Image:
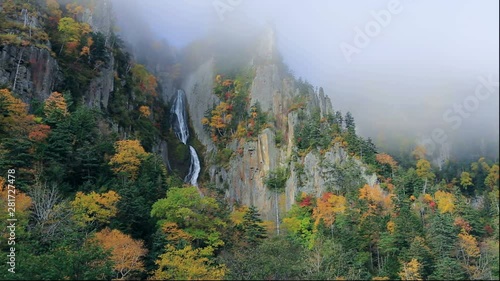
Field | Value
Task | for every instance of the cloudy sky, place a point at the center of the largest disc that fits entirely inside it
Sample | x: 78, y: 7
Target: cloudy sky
x: 398, y: 75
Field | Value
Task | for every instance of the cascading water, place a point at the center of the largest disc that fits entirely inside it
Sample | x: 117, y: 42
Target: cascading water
x: 179, y: 111
x: 194, y: 168
x: 182, y: 132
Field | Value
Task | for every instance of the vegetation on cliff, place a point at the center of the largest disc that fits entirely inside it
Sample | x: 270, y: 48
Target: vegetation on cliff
x: 94, y: 200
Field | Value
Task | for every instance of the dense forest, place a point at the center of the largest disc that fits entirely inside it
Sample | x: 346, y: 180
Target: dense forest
x: 86, y: 193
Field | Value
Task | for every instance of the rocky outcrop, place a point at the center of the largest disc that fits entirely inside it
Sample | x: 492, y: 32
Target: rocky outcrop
x: 100, y: 19
x: 265, y: 85
x: 243, y: 181
x: 101, y: 87
x: 31, y: 72
x: 198, y: 87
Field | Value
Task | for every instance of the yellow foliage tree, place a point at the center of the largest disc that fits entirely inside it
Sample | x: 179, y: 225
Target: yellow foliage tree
x: 493, y: 177
x: 468, y: 244
x: 424, y: 171
x: 188, y: 264
x: 94, y: 207
x: 445, y: 201
x: 465, y: 179
x: 391, y: 226
x: 55, y: 108
x: 128, y: 158
x: 411, y: 270
x: 238, y: 214
x: 126, y: 253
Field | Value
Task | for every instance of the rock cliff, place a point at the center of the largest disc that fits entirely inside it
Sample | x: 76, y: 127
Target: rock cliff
x: 243, y: 178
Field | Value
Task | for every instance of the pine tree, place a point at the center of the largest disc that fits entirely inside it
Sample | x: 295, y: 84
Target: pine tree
x: 252, y: 226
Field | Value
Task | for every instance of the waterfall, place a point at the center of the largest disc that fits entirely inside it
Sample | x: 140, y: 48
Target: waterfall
x: 179, y: 124
x: 194, y: 168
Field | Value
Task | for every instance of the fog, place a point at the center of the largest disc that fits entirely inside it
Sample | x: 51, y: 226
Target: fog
x: 409, y: 71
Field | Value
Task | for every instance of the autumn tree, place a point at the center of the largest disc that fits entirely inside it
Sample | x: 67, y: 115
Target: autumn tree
x: 327, y: 208
x: 469, y: 251
x: 384, y: 158
x: 146, y: 81
x: 445, y: 201
x: 94, y: 208
x: 465, y: 179
x: 493, y: 177
x: 71, y: 33
x: 128, y: 157
x: 54, y: 10
x: 39, y: 133
x: 411, y: 270
x: 188, y: 264
x: 218, y: 121
x: 74, y: 9
x: 424, y: 171
x: 126, y: 253
x: 144, y: 111
x: 14, y: 117
x: 55, y: 108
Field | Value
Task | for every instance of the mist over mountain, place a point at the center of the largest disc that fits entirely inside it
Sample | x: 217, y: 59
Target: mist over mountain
x: 249, y: 140
x: 417, y: 61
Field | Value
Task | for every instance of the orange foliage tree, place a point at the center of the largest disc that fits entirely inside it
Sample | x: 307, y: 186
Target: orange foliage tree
x: 327, y: 207
x: 384, y: 158
x: 376, y: 197
x: 126, y: 253
x: 144, y: 111
x: 14, y: 117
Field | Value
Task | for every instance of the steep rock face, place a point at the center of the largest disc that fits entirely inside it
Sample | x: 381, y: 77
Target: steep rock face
x: 243, y: 177
x: 265, y: 86
x: 244, y: 180
x: 198, y: 87
x: 100, y: 88
x: 30, y: 71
